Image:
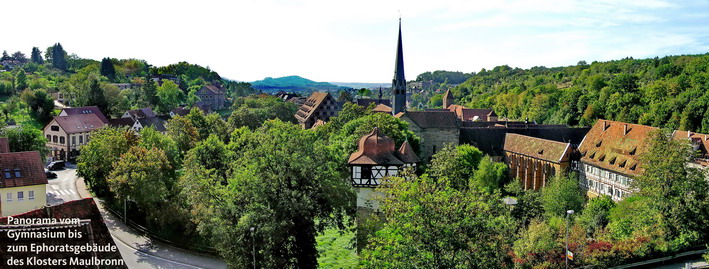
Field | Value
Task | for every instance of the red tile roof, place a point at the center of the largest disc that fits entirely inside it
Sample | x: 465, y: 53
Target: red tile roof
x: 406, y: 153
x: 29, y: 166
x: 616, y: 146
x: 79, y: 123
x: 4, y: 145
x: 311, y: 105
x: 375, y: 149
x: 548, y: 150
x: 700, y: 142
x: 70, y: 111
x: 382, y: 108
x: 471, y: 114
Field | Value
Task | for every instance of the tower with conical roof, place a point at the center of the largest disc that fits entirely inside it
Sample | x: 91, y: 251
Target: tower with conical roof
x: 398, y: 85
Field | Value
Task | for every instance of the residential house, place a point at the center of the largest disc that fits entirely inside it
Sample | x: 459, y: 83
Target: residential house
x: 319, y: 106
x: 23, y: 184
x: 534, y: 160
x: 468, y: 114
x: 70, y: 111
x: 610, y: 157
x: 67, y: 133
x: 159, y: 123
x: 137, y: 114
x: 212, y: 95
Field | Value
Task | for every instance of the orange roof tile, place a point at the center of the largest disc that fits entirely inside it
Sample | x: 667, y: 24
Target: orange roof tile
x: 548, y: 150
x: 700, y: 142
x: 616, y: 146
x: 406, y: 153
x: 28, y: 165
x: 375, y: 149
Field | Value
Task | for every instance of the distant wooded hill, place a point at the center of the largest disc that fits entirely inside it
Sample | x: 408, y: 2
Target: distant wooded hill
x: 294, y: 84
x: 670, y: 92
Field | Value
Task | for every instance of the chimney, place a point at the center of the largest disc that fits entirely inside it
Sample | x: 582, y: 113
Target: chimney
x: 625, y: 129
x: 605, y: 125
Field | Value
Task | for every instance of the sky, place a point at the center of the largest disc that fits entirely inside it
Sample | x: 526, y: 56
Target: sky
x: 355, y: 41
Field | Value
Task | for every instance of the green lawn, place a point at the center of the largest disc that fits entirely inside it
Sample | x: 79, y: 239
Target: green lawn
x: 337, y: 250
x: 23, y: 118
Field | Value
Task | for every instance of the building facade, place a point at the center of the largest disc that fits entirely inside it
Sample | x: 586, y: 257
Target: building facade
x: 23, y: 184
x: 534, y: 160
x: 610, y: 157
x: 435, y: 128
x: 67, y: 134
x: 212, y: 96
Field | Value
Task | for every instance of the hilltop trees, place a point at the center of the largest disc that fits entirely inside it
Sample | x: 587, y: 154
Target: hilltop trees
x: 58, y: 57
x: 107, y: 69
x: 36, y: 56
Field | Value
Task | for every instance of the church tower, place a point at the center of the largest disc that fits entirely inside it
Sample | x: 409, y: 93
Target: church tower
x: 398, y: 85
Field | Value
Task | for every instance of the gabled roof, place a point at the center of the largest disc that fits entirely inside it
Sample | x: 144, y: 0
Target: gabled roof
x: 29, y: 166
x: 382, y: 108
x: 406, y: 153
x: 431, y: 119
x: 91, y: 225
x: 311, y: 104
x: 542, y: 149
x: 375, y: 149
x: 141, y: 113
x: 181, y: 111
x: 79, y: 123
x: 121, y: 122
x: 471, y: 114
x: 616, y: 146
x: 4, y: 145
x: 158, y: 123
x: 211, y: 89
x: 70, y: 111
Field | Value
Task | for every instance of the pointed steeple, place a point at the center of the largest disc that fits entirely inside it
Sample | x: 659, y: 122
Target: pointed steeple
x: 398, y: 84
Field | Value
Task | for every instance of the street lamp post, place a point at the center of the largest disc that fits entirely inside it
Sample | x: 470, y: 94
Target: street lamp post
x: 566, y: 254
x: 253, y: 245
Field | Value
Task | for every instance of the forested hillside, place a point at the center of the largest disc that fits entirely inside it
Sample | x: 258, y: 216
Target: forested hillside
x: 666, y: 92
x: 293, y: 83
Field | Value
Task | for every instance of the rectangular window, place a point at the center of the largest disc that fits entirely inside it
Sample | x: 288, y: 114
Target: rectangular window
x: 61, y: 140
x: 17, y: 173
x: 81, y: 139
x: 30, y: 195
x: 9, y: 197
x: 20, y: 196
x: 73, y: 140
x: 8, y: 174
x: 55, y: 128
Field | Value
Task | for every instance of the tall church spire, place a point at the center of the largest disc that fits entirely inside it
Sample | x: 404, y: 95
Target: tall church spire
x: 398, y: 85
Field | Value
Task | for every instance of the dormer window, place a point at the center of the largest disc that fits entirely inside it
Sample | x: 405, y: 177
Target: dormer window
x: 622, y: 164
x: 17, y: 173
x: 8, y: 175
x: 632, y: 151
x: 592, y: 155
x: 598, y: 145
x: 540, y: 152
x: 603, y: 157
x: 633, y: 166
x: 612, y: 160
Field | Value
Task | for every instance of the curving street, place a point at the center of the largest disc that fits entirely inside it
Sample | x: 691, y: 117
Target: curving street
x: 138, y: 251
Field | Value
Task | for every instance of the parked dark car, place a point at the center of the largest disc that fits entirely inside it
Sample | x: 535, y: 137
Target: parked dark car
x: 55, y: 165
x: 50, y: 174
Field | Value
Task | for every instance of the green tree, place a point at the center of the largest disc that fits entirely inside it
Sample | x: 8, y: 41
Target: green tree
x: 596, y: 213
x: 107, y: 69
x: 97, y: 157
x: 95, y: 92
x: 168, y: 96
x: 143, y: 175
x: 26, y: 138
x: 677, y: 191
x: 150, y: 138
x: 58, y: 57
x: 181, y: 130
x: 456, y: 164
x: 490, y: 175
x: 432, y: 225
x: 20, y: 80
x: 562, y: 193
x: 36, y: 56
x: 284, y: 184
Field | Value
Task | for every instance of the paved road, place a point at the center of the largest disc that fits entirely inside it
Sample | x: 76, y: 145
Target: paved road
x: 63, y: 188
x: 137, y: 251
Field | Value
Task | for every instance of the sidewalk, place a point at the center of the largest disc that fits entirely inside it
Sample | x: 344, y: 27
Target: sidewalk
x: 145, y: 246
